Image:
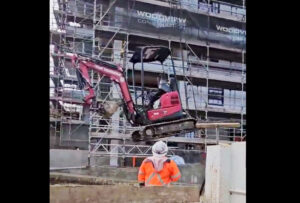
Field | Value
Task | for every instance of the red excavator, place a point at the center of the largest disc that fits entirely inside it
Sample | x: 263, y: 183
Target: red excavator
x: 166, y: 120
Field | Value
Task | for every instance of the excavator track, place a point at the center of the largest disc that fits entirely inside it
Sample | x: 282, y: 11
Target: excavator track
x: 165, y: 129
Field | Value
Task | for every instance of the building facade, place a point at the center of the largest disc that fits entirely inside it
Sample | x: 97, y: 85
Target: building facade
x: 207, y: 39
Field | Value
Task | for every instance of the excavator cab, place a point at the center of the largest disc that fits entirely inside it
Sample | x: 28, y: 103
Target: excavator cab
x: 170, y: 104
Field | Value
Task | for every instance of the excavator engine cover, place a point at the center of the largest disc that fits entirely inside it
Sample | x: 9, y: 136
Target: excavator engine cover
x: 170, y: 107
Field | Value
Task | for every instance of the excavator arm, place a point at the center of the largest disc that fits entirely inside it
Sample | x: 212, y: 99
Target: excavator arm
x: 114, y: 72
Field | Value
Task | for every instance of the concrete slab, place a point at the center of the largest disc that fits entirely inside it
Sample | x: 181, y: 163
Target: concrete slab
x: 67, y: 188
x: 121, y: 193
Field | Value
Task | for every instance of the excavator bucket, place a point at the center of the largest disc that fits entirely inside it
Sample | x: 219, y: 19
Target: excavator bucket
x: 110, y: 108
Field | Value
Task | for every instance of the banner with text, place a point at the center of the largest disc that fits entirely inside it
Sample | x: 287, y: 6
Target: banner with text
x: 160, y: 20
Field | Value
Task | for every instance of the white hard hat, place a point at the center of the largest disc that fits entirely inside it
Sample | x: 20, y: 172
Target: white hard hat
x: 159, y: 149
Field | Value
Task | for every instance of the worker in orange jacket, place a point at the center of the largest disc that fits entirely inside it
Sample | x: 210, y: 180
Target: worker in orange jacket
x: 158, y: 170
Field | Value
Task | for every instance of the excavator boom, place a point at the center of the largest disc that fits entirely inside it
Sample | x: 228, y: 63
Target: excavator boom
x: 115, y: 73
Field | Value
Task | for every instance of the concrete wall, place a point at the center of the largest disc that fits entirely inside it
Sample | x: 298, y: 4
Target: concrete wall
x: 192, y: 174
x: 61, y: 158
x: 68, y: 158
x: 225, y: 174
x: 75, y: 135
x: 121, y: 193
x: 238, y: 173
x: 53, y: 139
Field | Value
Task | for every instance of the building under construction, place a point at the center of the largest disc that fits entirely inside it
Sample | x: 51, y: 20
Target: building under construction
x: 207, y: 43
x: 207, y: 39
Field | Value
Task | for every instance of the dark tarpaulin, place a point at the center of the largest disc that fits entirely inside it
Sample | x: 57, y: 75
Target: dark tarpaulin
x: 150, y: 54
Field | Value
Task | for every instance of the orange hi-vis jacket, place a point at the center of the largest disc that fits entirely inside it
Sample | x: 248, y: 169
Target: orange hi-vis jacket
x: 148, y: 175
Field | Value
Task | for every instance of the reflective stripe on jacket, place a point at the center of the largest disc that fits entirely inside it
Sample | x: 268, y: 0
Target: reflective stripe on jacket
x: 148, y: 175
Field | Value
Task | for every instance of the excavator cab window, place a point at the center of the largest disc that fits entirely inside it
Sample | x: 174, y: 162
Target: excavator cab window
x: 156, y: 104
x: 172, y: 82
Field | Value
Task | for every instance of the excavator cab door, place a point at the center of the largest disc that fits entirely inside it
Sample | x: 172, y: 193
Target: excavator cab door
x: 147, y: 54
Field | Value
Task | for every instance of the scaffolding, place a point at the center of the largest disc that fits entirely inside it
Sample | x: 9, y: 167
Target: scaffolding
x: 84, y: 26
